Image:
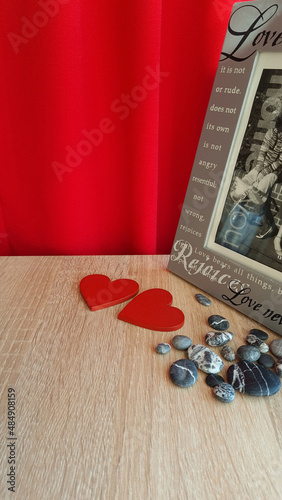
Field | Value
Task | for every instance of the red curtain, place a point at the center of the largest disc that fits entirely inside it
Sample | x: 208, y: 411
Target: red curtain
x: 102, y: 106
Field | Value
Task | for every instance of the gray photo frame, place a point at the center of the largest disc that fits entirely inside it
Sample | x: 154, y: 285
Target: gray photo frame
x: 229, y: 237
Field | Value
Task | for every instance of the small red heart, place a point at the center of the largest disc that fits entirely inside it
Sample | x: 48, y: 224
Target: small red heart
x: 99, y: 291
x: 152, y: 309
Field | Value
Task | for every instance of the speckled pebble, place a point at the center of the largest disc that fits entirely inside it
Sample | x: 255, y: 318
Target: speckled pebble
x: 256, y: 342
x: 248, y: 353
x: 213, y: 379
x: 279, y: 367
x: 218, y: 338
x: 224, y: 392
x: 181, y: 342
x: 261, y: 334
x: 266, y: 360
x: 217, y: 322
x: 163, y: 348
x: 253, y: 379
x: 205, y: 359
x: 228, y: 353
x: 183, y: 373
x: 276, y: 347
x: 203, y: 299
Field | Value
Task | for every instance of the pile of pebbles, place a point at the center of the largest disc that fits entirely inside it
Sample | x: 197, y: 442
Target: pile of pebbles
x: 257, y: 373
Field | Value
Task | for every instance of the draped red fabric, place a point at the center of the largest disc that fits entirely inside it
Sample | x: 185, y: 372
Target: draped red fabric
x: 102, y: 105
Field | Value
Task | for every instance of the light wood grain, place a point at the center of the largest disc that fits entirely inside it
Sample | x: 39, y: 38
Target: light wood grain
x: 97, y: 416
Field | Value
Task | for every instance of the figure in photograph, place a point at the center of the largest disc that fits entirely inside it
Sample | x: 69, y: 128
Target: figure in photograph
x: 251, y: 222
x: 257, y: 184
x: 278, y: 243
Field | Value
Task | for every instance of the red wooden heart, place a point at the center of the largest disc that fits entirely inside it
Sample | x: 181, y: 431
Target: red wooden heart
x: 99, y: 291
x: 152, y: 309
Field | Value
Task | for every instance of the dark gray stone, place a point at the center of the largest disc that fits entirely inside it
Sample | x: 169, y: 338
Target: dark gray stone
x: 203, y: 299
x: 261, y: 334
x: 205, y: 359
x: 183, y: 373
x: 217, y: 322
x: 266, y: 360
x: 253, y: 379
x: 228, y: 353
x: 181, y: 342
x: 224, y: 392
x: 276, y: 347
x: 216, y: 339
x: 248, y: 353
x: 256, y: 342
x: 163, y: 348
x: 214, y: 379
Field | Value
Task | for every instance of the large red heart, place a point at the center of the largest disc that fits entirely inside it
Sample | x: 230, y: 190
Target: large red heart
x: 99, y: 291
x: 152, y: 309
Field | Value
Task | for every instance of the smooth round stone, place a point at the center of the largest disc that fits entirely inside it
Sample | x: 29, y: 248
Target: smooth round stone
x: 253, y: 379
x: 205, y: 359
x: 217, y: 322
x: 224, y: 392
x: 163, y: 348
x: 183, y: 373
x: 261, y: 334
x: 256, y: 342
x: 203, y: 299
x: 228, y: 353
x: 248, y: 353
x: 218, y: 338
x: 266, y: 360
x: 181, y: 342
x: 276, y: 347
x: 214, y: 379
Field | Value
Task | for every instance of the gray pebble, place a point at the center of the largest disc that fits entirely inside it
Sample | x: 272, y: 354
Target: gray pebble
x: 181, y: 342
x: 205, y: 359
x: 203, y: 299
x: 261, y: 334
x: 218, y: 338
x: 213, y: 379
x: 256, y: 342
x: 163, y: 348
x: 228, y: 353
x: 248, y: 353
x: 266, y: 360
x: 183, y: 373
x: 224, y: 392
x: 217, y: 322
x: 279, y: 367
x: 276, y: 347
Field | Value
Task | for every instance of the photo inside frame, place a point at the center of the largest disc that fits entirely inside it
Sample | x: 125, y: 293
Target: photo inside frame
x: 246, y: 225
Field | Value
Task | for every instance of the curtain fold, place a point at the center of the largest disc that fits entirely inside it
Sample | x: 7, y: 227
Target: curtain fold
x: 102, y: 106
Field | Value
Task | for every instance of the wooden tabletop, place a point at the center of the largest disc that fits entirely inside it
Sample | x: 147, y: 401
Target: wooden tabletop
x: 96, y: 415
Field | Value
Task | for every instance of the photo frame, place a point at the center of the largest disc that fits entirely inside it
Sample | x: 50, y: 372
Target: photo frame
x: 229, y: 237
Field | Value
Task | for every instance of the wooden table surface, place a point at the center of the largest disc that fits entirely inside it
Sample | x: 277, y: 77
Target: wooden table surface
x: 97, y: 416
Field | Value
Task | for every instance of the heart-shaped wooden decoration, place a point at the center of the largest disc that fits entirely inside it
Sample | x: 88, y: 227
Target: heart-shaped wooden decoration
x: 99, y: 291
x: 152, y: 309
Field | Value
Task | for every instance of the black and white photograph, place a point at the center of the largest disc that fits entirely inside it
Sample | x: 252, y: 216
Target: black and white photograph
x: 251, y: 219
